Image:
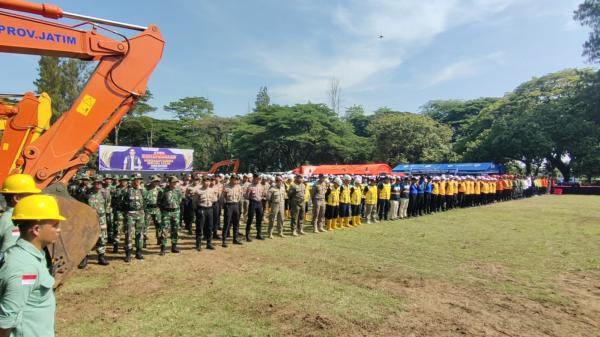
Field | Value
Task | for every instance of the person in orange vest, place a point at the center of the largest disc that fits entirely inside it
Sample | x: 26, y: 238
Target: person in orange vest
x: 435, y: 193
x: 462, y: 189
x: 442, y: 193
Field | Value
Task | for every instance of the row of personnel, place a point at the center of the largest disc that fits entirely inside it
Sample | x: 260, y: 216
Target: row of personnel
x: 127, y: 206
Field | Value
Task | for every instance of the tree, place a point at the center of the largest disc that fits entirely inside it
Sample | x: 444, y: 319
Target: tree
x: 190, y: 108
x: 355, y: 115
x: 280, y: 138
x: 588, y: 14
x: 262, y: 99
x: 62, y: 79
x: 403, y: 137
x: 334, y: 93
x: 141, y: 108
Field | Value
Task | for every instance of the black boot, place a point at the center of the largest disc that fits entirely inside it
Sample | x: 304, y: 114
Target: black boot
x: 138, y: 254
x: 174, y: 249
x: 210, y: 246
x: 127, y: 255
x: 83, y: 263
x: 248, y: 238
x: 102, y: 260
x: 237, y: 242
x: 144, y: 245
x: 162, y: 250
x: 115, y: 248
x: 198, y: 246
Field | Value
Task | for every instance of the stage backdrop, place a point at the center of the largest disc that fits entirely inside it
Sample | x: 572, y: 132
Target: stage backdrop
x: 148, y: 159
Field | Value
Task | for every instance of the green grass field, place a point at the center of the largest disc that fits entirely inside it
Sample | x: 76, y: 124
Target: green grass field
x: 521, y: 268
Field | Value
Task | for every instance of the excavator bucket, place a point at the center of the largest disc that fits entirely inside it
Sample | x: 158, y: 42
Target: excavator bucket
x: 78, y: 234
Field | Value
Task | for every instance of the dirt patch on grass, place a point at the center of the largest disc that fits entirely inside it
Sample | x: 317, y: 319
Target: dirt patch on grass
x: 443, y: 309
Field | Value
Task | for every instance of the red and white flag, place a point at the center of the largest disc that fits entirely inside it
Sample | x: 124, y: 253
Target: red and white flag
x: 27, y: 280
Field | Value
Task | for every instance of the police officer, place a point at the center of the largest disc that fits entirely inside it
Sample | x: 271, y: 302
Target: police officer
x: 135, y: 218
x: 203, y: 203
x: 169, y: 202
x: 276, y: 198
x: 232, y: 196
x: 96, y: 200
x: 152, y: 211
x: 317, y: 194
x: 254, y: 194
x: 27, y: 304
x: 15, y: 188
x: 296, y: 194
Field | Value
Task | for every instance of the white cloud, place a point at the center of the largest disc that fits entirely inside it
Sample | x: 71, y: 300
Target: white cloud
x: 355, y: 55
x: 464, y: 68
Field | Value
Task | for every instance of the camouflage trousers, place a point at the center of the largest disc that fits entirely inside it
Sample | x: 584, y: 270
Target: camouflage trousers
x: 170, y: 221
x: 135, y: 221
x: 110, y: 222
x: 101, y: 243
x: 118, y: 225
x: 152, y: 217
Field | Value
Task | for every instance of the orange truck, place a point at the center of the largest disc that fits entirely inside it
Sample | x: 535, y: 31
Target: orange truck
x: 52, y: 153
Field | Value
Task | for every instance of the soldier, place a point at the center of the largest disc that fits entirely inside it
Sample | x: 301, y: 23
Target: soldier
x: 96, y: 200
x: 73, y: 184
x: 255, y: 193
x: 108, y: 189
x: 82, y: 189
x: 232, y: 195
x: 120, y: 210
x: 15, y: 188
x: 296, y: 195
x: 276, y: 198
x: 134, y: 201
x: 152, y: 210
x: 27, y: 302
x: 169, y: 202
x: 317, y: 193
x: 203, y: 203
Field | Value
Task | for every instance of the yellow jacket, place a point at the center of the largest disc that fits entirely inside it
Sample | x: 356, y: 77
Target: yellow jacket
x: 371, y: 195
x: 333, y: 196
x: 345, y: 194
x: 386, y: 192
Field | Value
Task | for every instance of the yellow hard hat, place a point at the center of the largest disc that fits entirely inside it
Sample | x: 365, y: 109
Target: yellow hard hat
x: 37, y: 207
x: 19, y: 183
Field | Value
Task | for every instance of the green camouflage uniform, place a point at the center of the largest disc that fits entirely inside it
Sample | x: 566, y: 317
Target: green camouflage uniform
x: 119, y: 209
x: 152, y: 210
x: 110, y: 220
x: 134, y: 201
x: 169, y: 202
x: 96, y: 200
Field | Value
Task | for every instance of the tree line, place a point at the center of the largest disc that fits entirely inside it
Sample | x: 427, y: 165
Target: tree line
x: 550, y: 123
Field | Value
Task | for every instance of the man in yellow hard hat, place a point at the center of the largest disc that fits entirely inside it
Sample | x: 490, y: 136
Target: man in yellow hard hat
x: 27, y: 305
x: 15, y: 188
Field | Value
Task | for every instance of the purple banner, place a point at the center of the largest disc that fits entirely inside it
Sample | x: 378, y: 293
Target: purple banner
x: 127, y: 158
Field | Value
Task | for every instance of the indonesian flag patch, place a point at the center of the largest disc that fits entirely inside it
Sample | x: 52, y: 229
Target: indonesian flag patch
x: 15, y: 232
x: 27, y: 280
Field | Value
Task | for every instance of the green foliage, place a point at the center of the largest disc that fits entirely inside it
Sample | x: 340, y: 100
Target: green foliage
x: 588, y: 14
x: 355, y: 115
x: 262, y: 99
x: 142, y: 106
x: 283, y: 137
x: 403, y: 137
x: 62, y: 79
x: 190, y: 108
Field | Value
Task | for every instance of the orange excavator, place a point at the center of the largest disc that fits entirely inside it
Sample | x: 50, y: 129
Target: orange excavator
x: 52, y: 154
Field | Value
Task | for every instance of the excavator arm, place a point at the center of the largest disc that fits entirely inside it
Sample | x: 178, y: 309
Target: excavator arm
x: 53, y: 153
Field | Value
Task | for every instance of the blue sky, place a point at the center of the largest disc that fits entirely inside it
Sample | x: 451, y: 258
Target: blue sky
x: 431, y: 49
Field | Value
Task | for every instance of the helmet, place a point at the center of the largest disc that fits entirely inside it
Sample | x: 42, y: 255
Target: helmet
x: 19, y: 183
x: 37, y: 207
x: 137, y: 176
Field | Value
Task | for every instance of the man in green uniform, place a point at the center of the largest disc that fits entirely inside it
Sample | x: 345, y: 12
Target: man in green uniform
x: 134, y: 200
x: 96, y: 200
x: 152, y: 210
x: 108, y: 194
x: 169, y: 202
x: 27, y: 304
x: 15, y: 188
x: 119, y: 208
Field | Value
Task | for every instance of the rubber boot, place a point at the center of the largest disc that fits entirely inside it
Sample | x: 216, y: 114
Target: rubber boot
x: 328, y: 224
x: 102, y: 260
x: 83, y: 263
x: 162, y: 250
x: 346, y: 222
x: 138, y: 254
x: 127, y: 255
